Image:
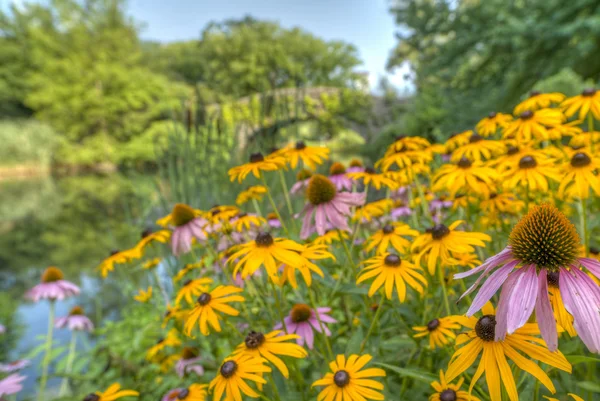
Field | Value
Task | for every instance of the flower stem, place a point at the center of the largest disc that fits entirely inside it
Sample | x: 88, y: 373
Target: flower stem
x: 347, y: 251
x: 64, y: 386
x: 444, y: 290
x: 278, y: 306
x: 286, y: 194
x: 257, y: 207
x: 321, y: 325
x: 274, y: 387
x: 46, y: 361
x: 273, y: 205
x: 373, y: 323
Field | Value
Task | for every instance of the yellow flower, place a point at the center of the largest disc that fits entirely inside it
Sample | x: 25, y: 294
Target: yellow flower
x: 465, y: 176
x: 445, y: 391
x: 481, y: 340
x: 580, y: 175
x: 390, y: 270
x: 439, y: 243
x: 391, y: 234
x: 161, y: 236
x: 151, y: 264
x: 478, y: 149
x: 166, y: 362
x: 588, y: 101
x: 403, y: 157
x: 534, y: 124
x: 440, y: 331
x: 532, y: 171
x: 329, y: 237
x: 112, y: 393
x: 222, y: 214
x: 267, y: 251
x: 171, y: 340
x: 370, y: 177
x: 118, y: 257
x: 269, y: 346
x: 372, y: 210
x: 564, y: 319
x: 204, y: 310
x: 310, y: 155
x: 192, y: 289
x: 403, y: 143
x: 244, y: 222
x: 349, y: 381
x: 537, y: 100
x: 179, y: 213
x: 233, y: 373
x: 144, y: 296
x: 174, y: 313
x: 465, y: 260
x: 195, y: 392
x: 490, y: 124
x: 573, y: 396
x: 186, y: 269
x: 457, y: 140
x: 310, y: 252
x: 255, y: 192
x: 258, y: 163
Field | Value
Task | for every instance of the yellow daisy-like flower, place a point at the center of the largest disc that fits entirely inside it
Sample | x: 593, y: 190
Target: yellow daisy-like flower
x: 203, y: 312
x: 311, y: 252
x: 564, y: 319
x: 148, y: 237
x: 113, y: 392
x: 469, y: 260
x: 502, y: 203
x: 587, y: 102
x: 192, y: 289
x: 174, y: 313
x: 268, y: 251
x: 151, y: 264
x: 532, y: 171
x: 439, y: 243
x: 330, y: 237
x: 407, y: 143
x: 144, y: 296
x: 403, y: 158
x: 481, y: 340
x: 117, y: 258
x: 568, y: 129
x: 390, y: 270
x: 537, y: 100
x: 221, y: 214
x: 391, y: 234
x: 270, y: 346
x: 514, y: 153
x: 176, y: 214
x: 234, y: 372
x: 186, y: 269
x: 534, y: 125
x: 245, y: 222
x: 311, y: 156
x: 457, y: 140
x: 492, y: 123
x: 580, y: 175
x: 195, y: 392
x: 171, y: 340
x: 573, y: 396
x: 371, y: 177
x: 348, y: 381
x: 372, y: 210
x: 444, y: 391
x: 258, y: 163
x: 585, y: 139
x: 440, y: 331
x: 478, y: 149
x: 166, y: 362
x: 465, y: 176
x: 255, y: 192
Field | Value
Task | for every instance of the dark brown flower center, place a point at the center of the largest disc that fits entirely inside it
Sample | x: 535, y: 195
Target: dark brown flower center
x: 263, y: 240
x: 580, y: 159
x: 392, y: 260
x: 76, y: 311
x: 534, y: 93
x: 439, y: 231
x: 486, y: 328
x: 588, y: 92
x: 464, y: 163
x: 512, y: 150
x: 341, y: 378
x: 228, y: 369
x: 300, y: 313
x: 475, y: 138
x: 448, y: 395
x: 182, y: 214
x: 190, y: 353
x: 594, y: 250
x: 304, y: 174
x: 434, y: 324
x: 493, y: 196
x: 388, y: 229
x: 183, y: 394
x: 204, y: 298
x: 91, y: 397
x: 526, y: 115
x: 52, y: 274
x: 553, y: 278
x: 356, y: 163
x: 527, y: 162
x: 254, y: 339
x: 188, y: 282
x: 337, y: 168
x: 256, y: 158
x: 492, y: 115
x: 320, y: 190
x: 146, y: 232
x: 370, y: 170
x: 300, y: 145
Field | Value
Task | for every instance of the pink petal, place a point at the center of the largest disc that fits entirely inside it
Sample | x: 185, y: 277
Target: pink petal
x: 543, y: 311
x: 491, y: 285
x: 523, y: 298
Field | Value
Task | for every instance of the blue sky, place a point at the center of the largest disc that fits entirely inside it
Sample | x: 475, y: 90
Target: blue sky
x: 365, y: 23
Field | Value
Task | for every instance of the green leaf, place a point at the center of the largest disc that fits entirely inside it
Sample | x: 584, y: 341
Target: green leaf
x: 590, y: 386
x: 34, y: 352
x: 577, y: 359
x: 416, y: 374
x: 353, y: 346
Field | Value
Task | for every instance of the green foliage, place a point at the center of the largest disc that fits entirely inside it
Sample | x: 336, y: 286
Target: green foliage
x: 565, y: 81
x: 27, y: 142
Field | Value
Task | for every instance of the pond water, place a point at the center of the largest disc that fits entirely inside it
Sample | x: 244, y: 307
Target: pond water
x: 72, y: 223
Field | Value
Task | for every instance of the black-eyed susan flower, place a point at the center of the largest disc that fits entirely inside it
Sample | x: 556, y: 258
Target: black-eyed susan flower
x: 370, y: 211
x: 192, y: 289
x: 270, y: 346
x: 538, y: 100
x: 534, y: 124
x: 404, y: 142
x: 117, y: 258
x: 144, y: 296
x: 391, y: 234
x: 481, y: 340
x: 207, y: 303
x: 440, y: 331
x: 151, y: 263
x: 233, y: 375
x: 492, y: 123
x: 148, y: 237
x: 587, y: 102
x: 331, y: 236
x: 456, y: 140
x: 195, y: 392
x: 465, y: 176
x: 311, y: 156
x: 310, y: 252
x: 445, y: 391
x: 348, y: 381
x: 188, y: 267
x: 370, y: 177
x: 269, y: 252
x: 478, y: 149
x: 502, y: 203
x: 113, y: 392
x: 257, y: 164
x: 175, y: 313
x: 171, y: 340
x: 403, y: 157
x: 391, y: 271
x: 255, y: 192
x: 469, y: 260
x: 247, y: 221
x: 440, y: 242
x: 532, y: 171
x: 580, y: 174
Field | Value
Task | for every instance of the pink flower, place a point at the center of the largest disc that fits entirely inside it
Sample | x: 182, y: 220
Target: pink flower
x: 302, y: 178
x: 227, y: 241
x: 76, y: 320
x: 189, y: 362
x: 542, y: 252
x: 328, y: 205
x: 2, y: 329
x: 52, y: 287
x: 341, y: 182
x: 302, y: 320
x: 273, y: 220
x: 11, y: 384
x: 187, y: 225
x: 14, y: 366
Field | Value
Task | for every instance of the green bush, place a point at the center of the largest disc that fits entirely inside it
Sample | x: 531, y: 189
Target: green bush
x: 27, y: 142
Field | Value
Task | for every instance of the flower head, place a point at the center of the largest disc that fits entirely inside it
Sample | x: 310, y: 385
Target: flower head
x: 338, y: 176
x: 587, y: 102
x: 144, y: 296
x: 370, y: 177
x: 310, y: 155
x: 53, y: 286
x: 233, y: 374
x: 195, y: 392
x: 465, y: 176
x: 207, y: 303
x: 14, y: 366
x: 309, y: 253
x: 76, y: 320
x: 149, y: 237
x: 192, y: 289
x: 118, y: 257
x: 255, y: 192
x: 171, y: 340
x: 538, y: 100
x: 531, y: 124
x: 391, y: 234
x: 489, y: 125
x: 303, y: 321
x: 477, y: 149
x: 257, y: 164
x: 189, y: 362
x: 444, y: 391
x: 580, y: 175
x: 187, y: 225
x: 112, y: 393
x: 531, y: 171
x: 11, y: 384
x: 439, y: 330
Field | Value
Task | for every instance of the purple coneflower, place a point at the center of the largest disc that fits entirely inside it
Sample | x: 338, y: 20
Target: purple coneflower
x: 328, y: 205
x: 230, y: 238
x: 11, y: 385
x: 302, y: 320
x: 542, y: 249
x: 14, y: 366
x: 187, y: 225
x: 302, y: 179
x: 75, y: 321
x: 189, y: 362
x: 337, y: 175
x: 437, y: 205
x: 400, y: 210
x: 52, y: 286
x: 273, y: 220
x: 172, y: 395
x: 355, y: 166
